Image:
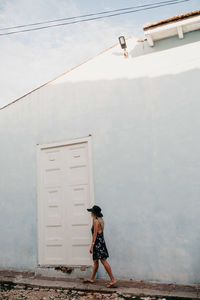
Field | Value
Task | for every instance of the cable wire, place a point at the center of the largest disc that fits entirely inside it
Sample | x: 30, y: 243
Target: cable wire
x: 95, y: 18
x: 88, y: 15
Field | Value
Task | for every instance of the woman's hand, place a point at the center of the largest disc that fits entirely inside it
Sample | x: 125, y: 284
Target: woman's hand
x: 91, y: 249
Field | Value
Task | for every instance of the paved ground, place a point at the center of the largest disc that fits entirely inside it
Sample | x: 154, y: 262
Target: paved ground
x: 36, y: 293
x: 16, y: 285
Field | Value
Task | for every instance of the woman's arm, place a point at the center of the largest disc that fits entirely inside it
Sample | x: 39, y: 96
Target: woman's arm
x: 94, y: 235
x: 95, y: 231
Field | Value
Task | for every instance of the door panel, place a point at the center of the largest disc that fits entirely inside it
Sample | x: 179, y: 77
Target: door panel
x: 64, y: 196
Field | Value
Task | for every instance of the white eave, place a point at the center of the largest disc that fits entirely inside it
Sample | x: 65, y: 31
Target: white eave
x: 172, y: 29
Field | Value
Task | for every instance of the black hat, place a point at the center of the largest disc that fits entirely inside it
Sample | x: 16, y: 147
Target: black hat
x: 96, y: 210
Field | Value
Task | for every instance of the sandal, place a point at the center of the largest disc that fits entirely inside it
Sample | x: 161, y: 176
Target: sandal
x: 88, y: 281
x: 111, y: 284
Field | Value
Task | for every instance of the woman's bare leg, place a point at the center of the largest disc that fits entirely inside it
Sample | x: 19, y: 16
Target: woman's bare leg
x: 108, y: 270
x: 95, y: 268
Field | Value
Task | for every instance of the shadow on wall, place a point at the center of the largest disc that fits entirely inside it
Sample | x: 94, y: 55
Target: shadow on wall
x: 146, y: 169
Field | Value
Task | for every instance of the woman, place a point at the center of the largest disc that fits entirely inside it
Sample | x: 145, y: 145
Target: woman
x: 98, y: 247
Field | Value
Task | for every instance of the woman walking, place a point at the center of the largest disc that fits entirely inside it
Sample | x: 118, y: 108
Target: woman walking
x: 98, y: 248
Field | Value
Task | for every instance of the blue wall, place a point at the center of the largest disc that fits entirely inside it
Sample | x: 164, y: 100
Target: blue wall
x: 146, y: 170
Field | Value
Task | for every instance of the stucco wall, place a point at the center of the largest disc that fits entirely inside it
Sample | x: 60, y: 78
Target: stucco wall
x: 145, y: 137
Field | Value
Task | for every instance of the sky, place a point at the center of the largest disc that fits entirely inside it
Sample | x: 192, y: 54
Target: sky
x: 29, y: 59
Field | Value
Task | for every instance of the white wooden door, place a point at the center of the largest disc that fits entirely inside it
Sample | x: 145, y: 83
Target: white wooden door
x: 65, y: 191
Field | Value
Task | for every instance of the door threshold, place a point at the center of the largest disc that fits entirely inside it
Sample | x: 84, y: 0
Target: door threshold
x: 64, y: 266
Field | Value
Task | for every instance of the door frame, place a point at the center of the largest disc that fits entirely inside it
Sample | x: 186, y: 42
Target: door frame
x: 39, y: 147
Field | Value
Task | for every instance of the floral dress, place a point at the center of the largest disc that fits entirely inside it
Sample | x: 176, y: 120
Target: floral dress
x: 99, y: 250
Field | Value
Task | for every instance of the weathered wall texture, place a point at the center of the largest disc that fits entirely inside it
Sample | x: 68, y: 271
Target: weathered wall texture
x: 145, y: 125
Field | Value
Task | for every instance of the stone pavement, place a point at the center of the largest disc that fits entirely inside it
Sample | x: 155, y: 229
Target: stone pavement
x: 20, y: 292
x: 18, y: 285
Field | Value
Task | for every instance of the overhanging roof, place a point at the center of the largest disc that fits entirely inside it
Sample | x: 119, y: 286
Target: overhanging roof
x: 177, y: 25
